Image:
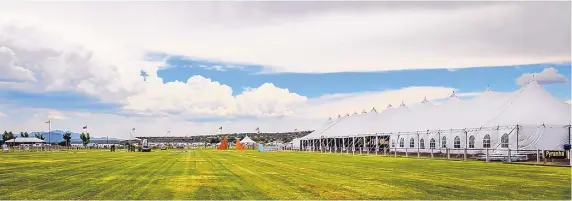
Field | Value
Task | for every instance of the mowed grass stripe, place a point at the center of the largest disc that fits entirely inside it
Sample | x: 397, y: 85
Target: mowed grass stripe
x: 302, y: 180
x: 211, y: 174
x: 441, y: 181
x: 55, y: 176
x: 335, y: 185
x: 232, y: 184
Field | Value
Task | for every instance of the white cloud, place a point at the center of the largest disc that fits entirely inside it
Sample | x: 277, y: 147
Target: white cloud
x: 10, y: 70
x: 57, y: 115
x: 116, y: 79
x: 547, y: 76
x: 197, y: 96
x: 77, y: 47
x: 268, y: 100
x: 316, y: 37
x: 309, y: 113
x: 339, y: 104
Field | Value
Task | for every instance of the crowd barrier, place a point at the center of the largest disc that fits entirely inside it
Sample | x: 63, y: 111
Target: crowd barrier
x: 537, y: 157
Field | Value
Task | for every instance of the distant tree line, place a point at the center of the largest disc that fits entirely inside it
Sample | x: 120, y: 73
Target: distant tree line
x: 6, y: 136
x: 231, y: 137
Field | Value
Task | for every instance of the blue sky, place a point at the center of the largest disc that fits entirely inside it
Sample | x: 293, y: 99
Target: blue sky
x: 314, y: 85
x: 311, y: 85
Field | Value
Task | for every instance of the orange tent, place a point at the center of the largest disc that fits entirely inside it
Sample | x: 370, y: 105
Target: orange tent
x: 223, y: 144
x: 239, y: 146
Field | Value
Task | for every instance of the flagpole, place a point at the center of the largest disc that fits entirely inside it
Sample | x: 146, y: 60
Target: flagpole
x: 49, y: 131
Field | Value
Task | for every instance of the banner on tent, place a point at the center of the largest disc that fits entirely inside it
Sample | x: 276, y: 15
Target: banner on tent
x: 555, y: 154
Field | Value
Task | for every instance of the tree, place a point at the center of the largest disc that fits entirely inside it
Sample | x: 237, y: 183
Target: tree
x: 24, y: 134
x: 39, y: 136
x: 7, y: 136
x: 67, y: 138
x: 84, y: 138
x: 214, y: 140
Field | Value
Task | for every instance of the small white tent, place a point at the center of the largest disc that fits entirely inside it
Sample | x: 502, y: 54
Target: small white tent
x: 247, y: 140
x: 26, y: 140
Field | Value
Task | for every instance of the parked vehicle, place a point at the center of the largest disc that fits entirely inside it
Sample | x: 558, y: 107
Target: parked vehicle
x: 145, y: 147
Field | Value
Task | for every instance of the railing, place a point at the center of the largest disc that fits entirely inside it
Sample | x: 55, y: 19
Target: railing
x: 36, y: 148
x: 54, y: 148
x: 463, y: 154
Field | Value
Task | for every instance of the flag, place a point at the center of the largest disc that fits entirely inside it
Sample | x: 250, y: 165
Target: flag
x: 48, y: 121
x: 85, y: 127
x: 258, y: 130
x: 296, y: 130
x: 133, y: 129
x: 220, y: 128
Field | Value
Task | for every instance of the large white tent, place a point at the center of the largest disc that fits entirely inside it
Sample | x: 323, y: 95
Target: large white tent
x: 528, y: 118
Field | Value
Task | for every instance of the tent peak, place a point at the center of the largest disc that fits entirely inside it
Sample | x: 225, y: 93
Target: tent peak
x: 373, y: 110
x: 453, y: 95
x: 355, y: 113
x: 425, y: 100
x: 488, y: 88
x: 389, y: 106
x: 364, y: 112
x: 402, y: 104
x: 347, y: 115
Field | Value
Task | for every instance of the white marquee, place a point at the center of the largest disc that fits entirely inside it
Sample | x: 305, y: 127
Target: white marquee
x: 543, y: 121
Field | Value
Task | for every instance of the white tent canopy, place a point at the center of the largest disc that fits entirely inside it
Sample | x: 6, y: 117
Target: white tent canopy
x: 295, y: 143
x: 530, y: 106
x: 247, y: 140
x: 26, y: 140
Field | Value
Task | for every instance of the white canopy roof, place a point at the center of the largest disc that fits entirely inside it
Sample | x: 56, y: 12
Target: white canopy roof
x: 26, y: 140
x: 324, y: 126
x: 530, y: 105
x: 247, y: 140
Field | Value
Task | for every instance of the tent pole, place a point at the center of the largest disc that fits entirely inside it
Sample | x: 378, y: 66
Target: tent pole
x: 360, y: 151
x: 344, y: 145
x: 376, y: 144
x: 569, y: 152
x: 418, y: 143
x: 335, y: 145
x: 517, y: 131
x: 330, y: 147
x: 439, y: 141
x: 353, y: 145
x: 313, y: 145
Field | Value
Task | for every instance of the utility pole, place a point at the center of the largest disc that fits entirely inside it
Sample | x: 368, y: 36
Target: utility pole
x: 49, y: 130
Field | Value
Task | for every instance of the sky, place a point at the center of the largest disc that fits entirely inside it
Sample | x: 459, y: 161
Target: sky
x: 193, y: 67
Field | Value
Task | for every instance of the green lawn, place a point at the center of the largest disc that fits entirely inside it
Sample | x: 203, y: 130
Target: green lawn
x: 221, y: 175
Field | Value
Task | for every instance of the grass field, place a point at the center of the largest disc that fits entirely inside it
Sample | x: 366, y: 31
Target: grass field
x: 210, y: 174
